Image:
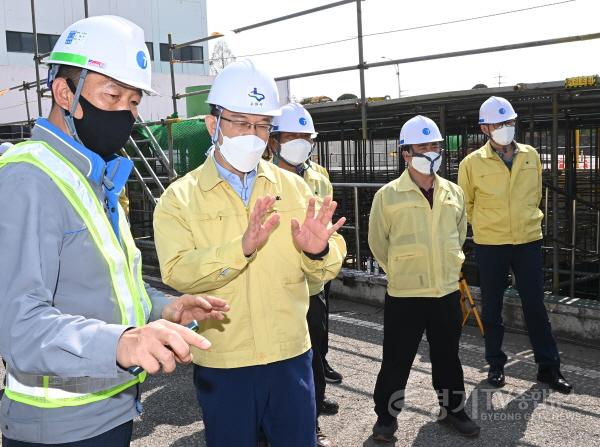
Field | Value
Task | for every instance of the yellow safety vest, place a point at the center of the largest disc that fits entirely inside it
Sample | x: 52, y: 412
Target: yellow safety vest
x: 125, y: 273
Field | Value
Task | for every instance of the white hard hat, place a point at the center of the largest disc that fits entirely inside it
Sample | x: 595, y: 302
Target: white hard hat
x: 5, y: 146
x: 419, y: 130
x: 294, y: 118
x: 242, y: 87
x: 496, y: 110
x: 109, y: 45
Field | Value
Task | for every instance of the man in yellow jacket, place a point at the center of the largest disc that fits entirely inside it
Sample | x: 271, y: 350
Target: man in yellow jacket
x: 291, y: 144
x: 502, y: 182
x: 233, y: 226
x: 417, y: 227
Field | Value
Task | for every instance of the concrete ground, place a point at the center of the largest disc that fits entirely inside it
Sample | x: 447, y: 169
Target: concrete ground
x: 522, y: 413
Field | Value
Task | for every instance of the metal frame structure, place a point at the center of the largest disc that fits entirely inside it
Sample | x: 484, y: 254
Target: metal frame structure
x: 357, y: 126
x: 552, y: 118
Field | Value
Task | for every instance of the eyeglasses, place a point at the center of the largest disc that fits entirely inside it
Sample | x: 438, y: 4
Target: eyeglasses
x: 245, y: 126
x: 510, y: 123
x: 435, y: 146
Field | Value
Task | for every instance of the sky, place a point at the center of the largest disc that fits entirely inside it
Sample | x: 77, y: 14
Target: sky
x: 550, y: 63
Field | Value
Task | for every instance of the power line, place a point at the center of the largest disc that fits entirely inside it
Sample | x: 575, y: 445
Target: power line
x: 413, y: 28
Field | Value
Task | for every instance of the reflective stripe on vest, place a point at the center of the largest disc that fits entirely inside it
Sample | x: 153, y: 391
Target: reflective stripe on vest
x: 125, y: 273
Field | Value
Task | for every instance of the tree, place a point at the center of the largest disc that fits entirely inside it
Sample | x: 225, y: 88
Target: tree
x: 221, y: 57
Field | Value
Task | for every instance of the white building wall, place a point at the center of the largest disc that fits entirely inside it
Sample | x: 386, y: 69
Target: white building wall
x: 185, y: 19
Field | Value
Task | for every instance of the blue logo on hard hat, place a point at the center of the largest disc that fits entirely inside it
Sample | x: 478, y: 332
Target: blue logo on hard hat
x: 481, y: 120
x: 302, y: 121
x: 256, y: 95
x: 141, y: 59
x: 426, y: 131
x: 502, y: 111
x: 70, y: 37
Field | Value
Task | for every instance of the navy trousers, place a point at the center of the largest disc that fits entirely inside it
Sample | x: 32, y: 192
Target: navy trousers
x: 117, y: 437
x: 278, y: 398
x: 526, y: 261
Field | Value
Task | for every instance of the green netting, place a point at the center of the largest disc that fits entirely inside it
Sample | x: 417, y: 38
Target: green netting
x: 190, y: 143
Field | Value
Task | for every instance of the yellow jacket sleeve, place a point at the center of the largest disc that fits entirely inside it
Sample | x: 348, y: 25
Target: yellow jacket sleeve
x: 328, y: 267
x: 379, y: 230
x: 462, y: 221
x: 188, y: 269
x: 464, y: 181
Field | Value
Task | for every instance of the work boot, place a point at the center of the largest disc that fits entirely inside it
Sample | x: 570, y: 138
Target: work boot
x: 331, y: 376
x: 323, y: 440
x: 383, y: 432
x: 459, y: 421
x: 496, y: 377
x: 329, y: 407
x: 553, y: 377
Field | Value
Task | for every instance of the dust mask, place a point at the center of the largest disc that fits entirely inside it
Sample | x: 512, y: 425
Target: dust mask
x: 242, y: 152
x: 504, y: 136
x: 428, y: 163
x: 296, y: 151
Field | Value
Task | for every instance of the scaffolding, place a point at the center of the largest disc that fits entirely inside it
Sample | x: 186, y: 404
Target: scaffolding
x: 358, y: 143
x: 562, y: 122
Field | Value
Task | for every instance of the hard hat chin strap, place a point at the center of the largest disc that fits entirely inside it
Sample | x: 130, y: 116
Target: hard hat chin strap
x: 68, y: 115
x: 215, y: 137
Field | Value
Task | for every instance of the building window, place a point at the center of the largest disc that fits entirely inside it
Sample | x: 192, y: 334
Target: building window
x: 192, y: 54
x: 150, y: 46
x: 21, y: 42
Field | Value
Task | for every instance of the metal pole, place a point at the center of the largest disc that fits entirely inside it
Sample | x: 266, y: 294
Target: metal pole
x: 554, y: 162
x: 361, y: 65
x: 291, y: 16
x: 170, y: 144
x: 517, y: 46
x: 357, y: 228
x: 442, y: 121
x: 597, y: 231
x: 85, y: 9
x: 202, y: 39
x: 172, y: 70
x: 546, y: 211
x: 398, y: 76
x: 573, y: 235
x: 36, y: 59
x: 26, y: 101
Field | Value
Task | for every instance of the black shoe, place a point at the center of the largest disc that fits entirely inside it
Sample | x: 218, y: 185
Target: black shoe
x: 555, y: 379
x: 384, y: 432
x: 323, y: 440
x: 329, y: 407
x: 460, y: 422
x: 331, y: 376
x: 496, y: 377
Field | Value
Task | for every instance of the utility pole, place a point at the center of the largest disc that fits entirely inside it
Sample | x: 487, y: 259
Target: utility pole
x: 397, y: 75
x: 499, y: 78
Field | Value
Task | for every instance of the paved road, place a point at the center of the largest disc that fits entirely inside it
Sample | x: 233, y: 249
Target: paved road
x: 523, y: 413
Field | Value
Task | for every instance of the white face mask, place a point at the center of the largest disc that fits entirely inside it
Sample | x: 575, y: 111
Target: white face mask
x: 242, y: 152
x: 504, y: 136
x: 428, y: 163
x: 296, y: 151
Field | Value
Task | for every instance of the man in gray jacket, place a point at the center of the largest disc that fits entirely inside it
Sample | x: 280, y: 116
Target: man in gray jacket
x: 74, y: 306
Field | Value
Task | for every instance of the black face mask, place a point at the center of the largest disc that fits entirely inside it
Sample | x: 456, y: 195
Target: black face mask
x: 102, y: 131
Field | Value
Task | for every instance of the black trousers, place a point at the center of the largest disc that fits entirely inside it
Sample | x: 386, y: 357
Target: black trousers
x: 405, y: 320
x: 117, y: 437
x: 325, y: 344
x: 526, y: 261
x: 317, y: 328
